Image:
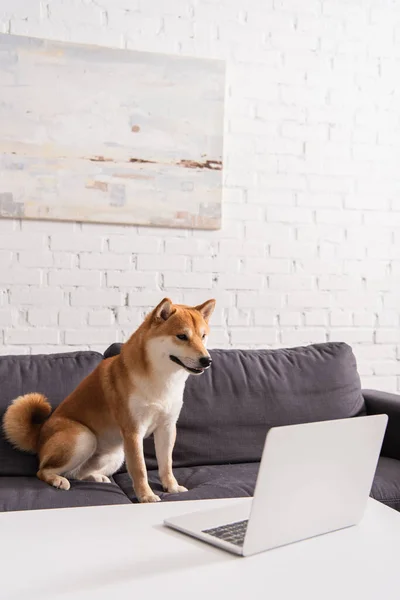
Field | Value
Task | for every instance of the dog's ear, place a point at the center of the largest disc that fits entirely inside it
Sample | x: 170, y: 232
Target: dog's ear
x: 206, y: 309
x: 163, y: 311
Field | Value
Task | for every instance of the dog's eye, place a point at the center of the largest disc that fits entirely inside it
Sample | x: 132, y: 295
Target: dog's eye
x: 182, y: 336
x: 203, y: 337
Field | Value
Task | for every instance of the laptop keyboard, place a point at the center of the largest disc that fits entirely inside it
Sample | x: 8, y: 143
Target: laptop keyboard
x: 232, y: 532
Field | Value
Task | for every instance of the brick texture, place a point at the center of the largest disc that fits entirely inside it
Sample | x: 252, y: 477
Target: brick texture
x: 309, y: 248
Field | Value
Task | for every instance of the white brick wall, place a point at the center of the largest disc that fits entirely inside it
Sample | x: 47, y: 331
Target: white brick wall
x: 310, y: 244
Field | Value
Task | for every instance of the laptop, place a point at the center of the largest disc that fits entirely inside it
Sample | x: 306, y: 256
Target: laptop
x: 314, y: 478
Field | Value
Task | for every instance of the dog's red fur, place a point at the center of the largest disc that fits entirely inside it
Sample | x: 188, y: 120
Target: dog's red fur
x: 124, y: 399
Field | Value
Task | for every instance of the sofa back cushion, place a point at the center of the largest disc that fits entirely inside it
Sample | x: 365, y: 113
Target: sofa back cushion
x: 55, y: 376
x: 228, y: 410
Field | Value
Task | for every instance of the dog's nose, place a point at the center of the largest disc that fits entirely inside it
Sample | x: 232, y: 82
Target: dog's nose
x: 205, y: 361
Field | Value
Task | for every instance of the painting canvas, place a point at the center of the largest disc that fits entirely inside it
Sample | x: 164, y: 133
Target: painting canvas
x: 111, y: 136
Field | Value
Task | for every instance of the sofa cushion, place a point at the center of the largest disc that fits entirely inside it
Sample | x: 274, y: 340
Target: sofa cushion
x: 210, y: 481
x: 235, y: 481
x: 54, y: 375
x: 386, y: 486
x: 27, y: 493
x: 228, y: 410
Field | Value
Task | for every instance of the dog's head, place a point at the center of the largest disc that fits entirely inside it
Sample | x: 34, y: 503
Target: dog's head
x: 178, y: 336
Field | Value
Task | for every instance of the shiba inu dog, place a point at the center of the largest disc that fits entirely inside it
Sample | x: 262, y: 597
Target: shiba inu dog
x: 125, y: 399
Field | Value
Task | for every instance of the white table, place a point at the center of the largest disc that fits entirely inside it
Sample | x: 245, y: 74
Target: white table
x: 107, y: 553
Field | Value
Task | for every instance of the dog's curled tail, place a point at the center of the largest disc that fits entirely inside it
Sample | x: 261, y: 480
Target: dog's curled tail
x: 23, y: 420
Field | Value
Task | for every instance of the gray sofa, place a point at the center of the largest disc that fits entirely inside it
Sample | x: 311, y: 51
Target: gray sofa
x: 221, y: 430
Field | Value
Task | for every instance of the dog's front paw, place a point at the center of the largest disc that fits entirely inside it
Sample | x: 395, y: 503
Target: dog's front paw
x: 180, y: 488
x: 149, y: 498
x: 175, y: 488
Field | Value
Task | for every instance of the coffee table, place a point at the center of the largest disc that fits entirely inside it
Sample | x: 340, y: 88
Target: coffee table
x: 111, y: 552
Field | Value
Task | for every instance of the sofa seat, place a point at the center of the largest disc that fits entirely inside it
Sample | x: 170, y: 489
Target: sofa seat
x: 211, y: 481
x: 239, y: 480
x: 27, y: 493
x: 386, y: 486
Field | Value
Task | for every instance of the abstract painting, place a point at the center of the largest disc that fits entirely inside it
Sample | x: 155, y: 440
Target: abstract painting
x: 109, y: 136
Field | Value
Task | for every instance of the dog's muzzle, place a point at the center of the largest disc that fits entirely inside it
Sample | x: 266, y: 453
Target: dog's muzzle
x: 205, y: 362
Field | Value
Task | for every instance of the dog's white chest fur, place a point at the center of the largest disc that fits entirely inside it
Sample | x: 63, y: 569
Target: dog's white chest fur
x: 155, y: 402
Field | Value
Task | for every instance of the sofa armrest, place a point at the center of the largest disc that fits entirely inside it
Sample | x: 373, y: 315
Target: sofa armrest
x: 384, y: 402
x: 113, y: 350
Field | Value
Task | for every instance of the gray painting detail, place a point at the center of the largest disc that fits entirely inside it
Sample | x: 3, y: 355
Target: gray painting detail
x: 101, y: 135
x: 117, y: 195
x: 9, y: 208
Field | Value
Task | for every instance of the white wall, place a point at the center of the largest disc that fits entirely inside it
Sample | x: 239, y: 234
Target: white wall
x: 310, y: 245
